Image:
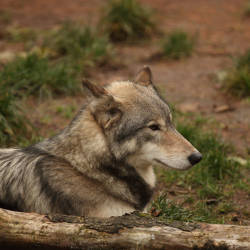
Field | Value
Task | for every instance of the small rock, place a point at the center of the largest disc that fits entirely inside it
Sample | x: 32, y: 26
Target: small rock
x: 7, y: 56
x: 188, y: 107
x: 223, y: 108
x: 221, y: 75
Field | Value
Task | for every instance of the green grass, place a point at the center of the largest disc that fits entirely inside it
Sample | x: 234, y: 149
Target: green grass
x: 15, y: 127
x: 54, y: 68
x: 80, y: 45
x: 215, y: 165
x: 5, y: 16
x: 13, y: 122
x: 246, y: 11
x: 177, y: 44
x: 51, y: 70
x: 127, y: 20
x: 17, y: 34
x: 237, y: 80
x: 172, y: 211
x: 67, y: 111
x: 35, y: 75
x: 208, y: 186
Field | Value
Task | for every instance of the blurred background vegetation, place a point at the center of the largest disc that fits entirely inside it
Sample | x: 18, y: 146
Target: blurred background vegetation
x: 200, y: 56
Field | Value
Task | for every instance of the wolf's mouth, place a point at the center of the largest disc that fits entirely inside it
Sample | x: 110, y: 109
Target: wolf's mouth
x: 168, y: 166
x: 162, y: 163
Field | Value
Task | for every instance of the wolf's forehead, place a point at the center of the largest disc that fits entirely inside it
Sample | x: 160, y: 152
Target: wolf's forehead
x: 124, y: 90
x: 139, y: 98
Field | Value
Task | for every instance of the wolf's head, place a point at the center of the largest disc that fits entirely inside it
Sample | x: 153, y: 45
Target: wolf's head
x: 137, y: 124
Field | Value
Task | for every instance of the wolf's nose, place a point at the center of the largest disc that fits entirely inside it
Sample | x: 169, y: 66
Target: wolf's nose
x: 195, y: 158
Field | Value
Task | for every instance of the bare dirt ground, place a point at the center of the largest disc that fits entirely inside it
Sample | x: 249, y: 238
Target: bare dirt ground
x: 189, y: 83
x: 221, y: 30
x: 222, y: 33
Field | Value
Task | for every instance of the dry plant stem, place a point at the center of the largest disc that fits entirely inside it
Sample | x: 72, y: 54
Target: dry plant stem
x: 132, y: 231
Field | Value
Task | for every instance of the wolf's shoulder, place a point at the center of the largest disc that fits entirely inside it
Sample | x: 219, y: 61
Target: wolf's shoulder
x: 29, y: 156
x: 44, y: 157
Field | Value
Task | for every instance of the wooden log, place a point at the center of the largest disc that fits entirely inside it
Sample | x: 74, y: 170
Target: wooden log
x: 132, y: 231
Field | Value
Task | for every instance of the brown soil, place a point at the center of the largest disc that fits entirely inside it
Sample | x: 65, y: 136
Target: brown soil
x: 222, y: 32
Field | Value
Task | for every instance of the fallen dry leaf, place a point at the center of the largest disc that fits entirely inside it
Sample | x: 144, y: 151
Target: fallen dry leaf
x: 223, y: 108
x: 188, y: 107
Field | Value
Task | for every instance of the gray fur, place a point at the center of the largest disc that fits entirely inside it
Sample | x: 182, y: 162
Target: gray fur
x: 94, y: 167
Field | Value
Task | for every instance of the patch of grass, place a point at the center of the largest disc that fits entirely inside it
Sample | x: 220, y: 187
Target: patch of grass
x: 80, y: 45
x: 225, y: 208
x: 30, y: 140
x: 178, y: 44
x: 34, y: 75
x: 237, y: 80
x: 127, y: 20
x: 17, y: 34
x: 66, y: 111
x: 5, y: 16
x: 13, y: 122
x: 171, y: 211
x: 246, y: 12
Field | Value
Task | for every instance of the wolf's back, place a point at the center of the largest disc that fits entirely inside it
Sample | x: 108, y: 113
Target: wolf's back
x: 19, y: 185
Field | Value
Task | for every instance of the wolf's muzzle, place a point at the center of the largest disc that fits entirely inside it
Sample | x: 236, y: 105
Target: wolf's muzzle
x: 195, y: 158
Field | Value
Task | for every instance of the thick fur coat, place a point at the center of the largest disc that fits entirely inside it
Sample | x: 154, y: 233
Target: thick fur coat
x: 101, y: 164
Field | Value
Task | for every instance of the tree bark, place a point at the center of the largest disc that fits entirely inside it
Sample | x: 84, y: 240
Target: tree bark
x: 132, y: 231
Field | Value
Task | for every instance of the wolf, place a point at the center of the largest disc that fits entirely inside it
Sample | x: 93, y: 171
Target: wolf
x: 101, y: 164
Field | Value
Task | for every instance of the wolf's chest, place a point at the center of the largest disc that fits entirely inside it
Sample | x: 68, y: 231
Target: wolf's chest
x: 111, y: 207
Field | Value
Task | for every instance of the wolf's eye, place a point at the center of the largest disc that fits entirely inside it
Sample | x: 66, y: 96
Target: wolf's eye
x: 154, y: 127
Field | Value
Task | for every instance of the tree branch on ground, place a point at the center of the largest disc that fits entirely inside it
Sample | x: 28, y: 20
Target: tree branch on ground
x: 131, y: 231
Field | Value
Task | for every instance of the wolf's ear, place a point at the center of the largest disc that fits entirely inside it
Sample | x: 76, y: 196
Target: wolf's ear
x: 95, y: 90
x: 105, y: 110
x: 110, y: 117
x: 144, y: 77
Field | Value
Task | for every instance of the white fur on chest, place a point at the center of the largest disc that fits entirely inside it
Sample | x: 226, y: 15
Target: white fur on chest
x: 111, y: 207
x: 147, y: 173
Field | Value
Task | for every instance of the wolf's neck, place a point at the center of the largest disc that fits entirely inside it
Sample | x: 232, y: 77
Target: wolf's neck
x: 130, y: 186
x: 81, y: 143
x: 84, y: 146
x: 88, y: 155
x: 147, y: 173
